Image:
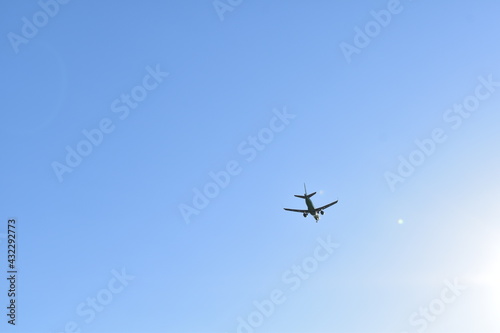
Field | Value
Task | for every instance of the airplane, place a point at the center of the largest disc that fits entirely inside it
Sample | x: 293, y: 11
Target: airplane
x: 310, y: 207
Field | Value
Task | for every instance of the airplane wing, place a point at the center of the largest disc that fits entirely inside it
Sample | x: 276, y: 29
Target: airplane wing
x: 297, y: 210
x: 326, y: 206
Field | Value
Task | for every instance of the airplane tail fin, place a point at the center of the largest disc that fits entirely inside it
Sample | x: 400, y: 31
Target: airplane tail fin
x: 305, y: 194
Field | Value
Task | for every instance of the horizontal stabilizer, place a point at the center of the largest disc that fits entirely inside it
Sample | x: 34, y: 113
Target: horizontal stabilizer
x: 304, y: 196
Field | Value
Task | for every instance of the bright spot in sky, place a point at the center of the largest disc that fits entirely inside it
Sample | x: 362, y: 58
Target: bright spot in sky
x: 400, y: 221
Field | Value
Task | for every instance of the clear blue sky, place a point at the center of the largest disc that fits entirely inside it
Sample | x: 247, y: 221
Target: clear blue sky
x: 117, y: 115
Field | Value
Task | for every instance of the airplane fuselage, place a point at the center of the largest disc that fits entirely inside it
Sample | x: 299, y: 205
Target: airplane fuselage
x: 311, y: 209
